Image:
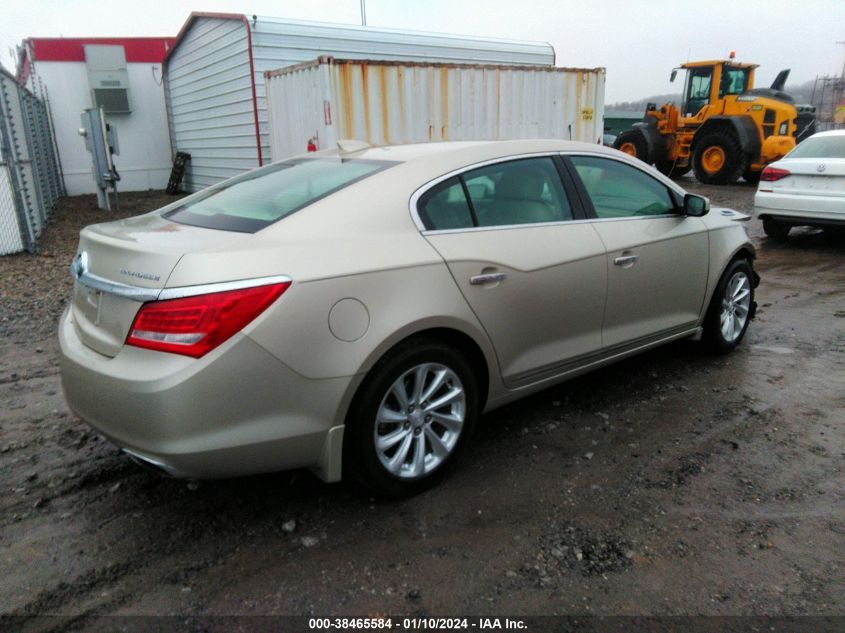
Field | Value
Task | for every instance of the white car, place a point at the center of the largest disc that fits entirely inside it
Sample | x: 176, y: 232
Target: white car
x: 804, y: 188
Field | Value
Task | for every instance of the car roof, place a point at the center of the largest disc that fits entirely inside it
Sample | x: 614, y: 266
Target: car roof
x: 830, y: 133
x: 424, y: 162
x: 468, y: 151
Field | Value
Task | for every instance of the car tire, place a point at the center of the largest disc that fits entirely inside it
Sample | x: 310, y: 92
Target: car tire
x: 398, y: 441
x: 731, y: 308
x: 718, y: 158
x: 775, y: 229
x: 633, y: 143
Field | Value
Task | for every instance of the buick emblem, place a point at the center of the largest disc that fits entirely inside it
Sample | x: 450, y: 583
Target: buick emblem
x: 821, y: 168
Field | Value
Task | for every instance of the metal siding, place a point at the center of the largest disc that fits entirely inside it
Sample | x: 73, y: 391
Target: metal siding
x: 209, y: 93
x: 279, y: 43
x: 276, y: 39
x: 209, y: 100
x: 390, y: 103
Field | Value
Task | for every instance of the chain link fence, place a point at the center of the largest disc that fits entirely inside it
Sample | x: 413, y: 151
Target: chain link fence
x: 30, y: 177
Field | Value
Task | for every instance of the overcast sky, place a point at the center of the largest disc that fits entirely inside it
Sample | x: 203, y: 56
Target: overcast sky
x: 638, y: 41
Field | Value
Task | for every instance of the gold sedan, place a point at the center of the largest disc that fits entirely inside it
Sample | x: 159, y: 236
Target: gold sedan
x: 355, y: 312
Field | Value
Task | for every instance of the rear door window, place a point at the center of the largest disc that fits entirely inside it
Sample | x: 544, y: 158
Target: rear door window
x: 526, y: 191
x: 254, y: 200
x: 445, y: 207
x: 523, y: 191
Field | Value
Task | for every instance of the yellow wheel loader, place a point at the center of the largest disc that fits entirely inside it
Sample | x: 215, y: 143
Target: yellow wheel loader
x: 724, y: 129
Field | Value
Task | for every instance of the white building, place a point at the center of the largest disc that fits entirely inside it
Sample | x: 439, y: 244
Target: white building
x: 124, y: 75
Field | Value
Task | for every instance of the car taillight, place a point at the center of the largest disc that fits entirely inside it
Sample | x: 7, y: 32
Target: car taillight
x: 771, y: 174
x: 194, y: 326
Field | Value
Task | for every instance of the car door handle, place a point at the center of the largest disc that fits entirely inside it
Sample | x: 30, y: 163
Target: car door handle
x: 626, y: 260
x: 489, y: 278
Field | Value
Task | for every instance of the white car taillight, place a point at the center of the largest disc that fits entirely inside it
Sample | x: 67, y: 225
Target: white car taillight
x: 771, y: 174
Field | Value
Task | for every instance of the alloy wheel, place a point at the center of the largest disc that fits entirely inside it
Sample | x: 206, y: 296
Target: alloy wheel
x: 736, y: 305
x: 419, y: 420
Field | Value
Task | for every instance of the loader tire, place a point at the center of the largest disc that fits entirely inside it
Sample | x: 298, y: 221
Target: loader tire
x: 718, y: 158
x: 633, y: 143
x: 671, y: 169
x: 751, y: 177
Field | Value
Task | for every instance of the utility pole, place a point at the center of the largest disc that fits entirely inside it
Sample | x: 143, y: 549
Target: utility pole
x: 363, y: 12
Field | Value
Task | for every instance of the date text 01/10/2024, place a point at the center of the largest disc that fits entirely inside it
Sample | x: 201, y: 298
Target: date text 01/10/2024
x: 386, y: 623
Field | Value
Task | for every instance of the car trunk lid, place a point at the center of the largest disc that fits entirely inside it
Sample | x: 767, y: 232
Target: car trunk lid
x: 122, y: 264
x: 811, y: 177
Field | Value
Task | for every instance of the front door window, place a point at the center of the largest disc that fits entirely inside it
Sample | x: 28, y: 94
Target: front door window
x: 618, y: 190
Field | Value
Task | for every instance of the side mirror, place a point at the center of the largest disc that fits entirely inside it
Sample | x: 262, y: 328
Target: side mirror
x: 673, y: 75
x: 696, y: 206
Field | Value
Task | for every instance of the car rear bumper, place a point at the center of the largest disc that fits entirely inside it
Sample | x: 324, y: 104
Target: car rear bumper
x: 803, y: 209
x: 236, y: 411
x: 804, y: 220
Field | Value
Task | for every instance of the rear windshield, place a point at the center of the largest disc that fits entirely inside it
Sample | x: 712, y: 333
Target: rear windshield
x: 259, y: 198
x: 820, y: 147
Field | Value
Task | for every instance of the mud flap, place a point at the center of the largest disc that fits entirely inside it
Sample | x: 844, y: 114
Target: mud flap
x: 330, y: 466
x: 755, y: 279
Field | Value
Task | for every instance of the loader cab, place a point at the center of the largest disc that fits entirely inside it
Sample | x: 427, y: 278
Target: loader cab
x: 707, y: 83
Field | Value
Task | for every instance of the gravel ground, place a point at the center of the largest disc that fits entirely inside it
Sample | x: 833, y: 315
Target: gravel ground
x: 669, y: 484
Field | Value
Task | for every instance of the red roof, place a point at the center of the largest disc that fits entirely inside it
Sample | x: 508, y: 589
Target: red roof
x: 149, y: 50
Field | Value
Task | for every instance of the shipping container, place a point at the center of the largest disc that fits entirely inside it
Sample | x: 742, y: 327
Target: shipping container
x: 386, y: 103
x: 214, y: 77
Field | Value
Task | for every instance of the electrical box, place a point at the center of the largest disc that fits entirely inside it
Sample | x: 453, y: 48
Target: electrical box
x: 101, y: 141
x: 108, y: 77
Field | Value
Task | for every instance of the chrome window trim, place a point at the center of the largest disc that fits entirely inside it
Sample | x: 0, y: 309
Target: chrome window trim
x: 420, y: 191
x: 529, y: 225
x: 142, y: 295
